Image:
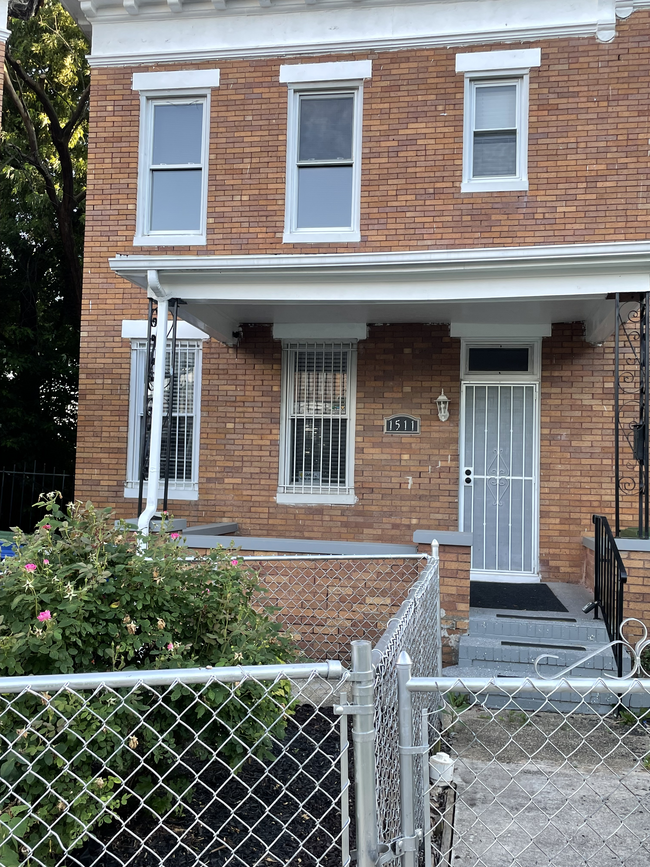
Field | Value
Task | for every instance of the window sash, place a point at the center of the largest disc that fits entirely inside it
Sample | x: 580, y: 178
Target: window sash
x: 173, y: 198
x: 323, y: 190
x: 183, y: 467
x: 499, y: 152
x: 317, y: 418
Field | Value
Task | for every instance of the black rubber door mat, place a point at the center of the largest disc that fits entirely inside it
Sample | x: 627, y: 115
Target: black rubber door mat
x: 513, y: 597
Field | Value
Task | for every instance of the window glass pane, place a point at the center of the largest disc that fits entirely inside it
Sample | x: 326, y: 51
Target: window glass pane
x: 324, y: 197
x: 495, y: 154
x: 181, y: 440
x: 318, y: 447
x: 326, y: 128
x: 496, y: 107
x: 177, y: 134
x: 176, y: 200
x: 497, y: 359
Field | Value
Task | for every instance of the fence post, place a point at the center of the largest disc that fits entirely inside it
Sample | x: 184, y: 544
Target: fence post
x: 405, y: 725
x: 363, y: 737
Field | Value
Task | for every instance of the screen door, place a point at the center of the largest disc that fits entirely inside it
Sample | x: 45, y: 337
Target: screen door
x: 499, y: 479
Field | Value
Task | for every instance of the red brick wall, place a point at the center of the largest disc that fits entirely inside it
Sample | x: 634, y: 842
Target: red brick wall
x: 588, y: 167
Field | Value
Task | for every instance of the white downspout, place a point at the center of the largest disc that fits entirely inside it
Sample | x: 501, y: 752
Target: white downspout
x: 156, y: 406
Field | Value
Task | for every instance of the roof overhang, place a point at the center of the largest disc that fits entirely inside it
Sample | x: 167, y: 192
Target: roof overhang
x: 506, y: 285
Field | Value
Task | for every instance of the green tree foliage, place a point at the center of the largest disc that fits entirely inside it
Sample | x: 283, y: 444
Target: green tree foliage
x: 42, y: 189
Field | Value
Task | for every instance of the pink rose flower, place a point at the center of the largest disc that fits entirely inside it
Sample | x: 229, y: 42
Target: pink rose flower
x: 44, y: 615
x: 31, y: 567
x: 234, y: 562
x: 47, y: 526
x: 170, y: 646
x: 46, y: 562
x: 174, y: 535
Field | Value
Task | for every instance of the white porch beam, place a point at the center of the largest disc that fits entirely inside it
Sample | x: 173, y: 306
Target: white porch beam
x: 211, y: 320
x: 602, y: 323
x: 156, y: 418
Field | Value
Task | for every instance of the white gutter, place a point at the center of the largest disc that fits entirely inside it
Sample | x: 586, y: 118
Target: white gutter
x: 156, y: 407
x: 482, y: 261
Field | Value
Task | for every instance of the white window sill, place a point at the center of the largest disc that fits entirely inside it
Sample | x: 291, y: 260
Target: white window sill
x: 131, y: 492
x: 320, y: 237
x: 497, y: 185
x: 348, y: 499
x: 170, y: 240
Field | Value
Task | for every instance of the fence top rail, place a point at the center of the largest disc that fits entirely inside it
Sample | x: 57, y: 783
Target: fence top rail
x: 513, y: 685
x: 330, y: 670
x: 333, y: 557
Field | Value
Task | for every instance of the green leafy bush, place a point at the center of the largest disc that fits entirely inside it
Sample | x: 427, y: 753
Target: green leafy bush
x: 84, y: 595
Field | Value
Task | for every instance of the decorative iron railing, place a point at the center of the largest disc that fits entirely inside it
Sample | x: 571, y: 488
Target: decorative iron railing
x: 20, y: 488
x: 609, y: 577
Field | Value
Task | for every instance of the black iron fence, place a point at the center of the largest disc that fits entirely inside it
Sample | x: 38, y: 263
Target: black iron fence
x: 20, y: 488
x: 609, y: 578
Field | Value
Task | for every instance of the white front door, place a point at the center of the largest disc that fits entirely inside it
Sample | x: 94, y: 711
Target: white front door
x: 499, y: 479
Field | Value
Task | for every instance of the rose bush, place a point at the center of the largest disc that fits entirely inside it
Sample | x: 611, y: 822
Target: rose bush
x: 83, y: 594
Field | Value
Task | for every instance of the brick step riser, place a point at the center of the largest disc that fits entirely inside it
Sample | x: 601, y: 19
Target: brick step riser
x: 578, y: 633
x: 472, y: 655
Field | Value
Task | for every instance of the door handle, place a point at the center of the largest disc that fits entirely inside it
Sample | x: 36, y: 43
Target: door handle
x: 467, y: 479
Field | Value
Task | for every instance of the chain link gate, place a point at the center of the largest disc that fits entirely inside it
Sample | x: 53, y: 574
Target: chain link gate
x: 528, y: 771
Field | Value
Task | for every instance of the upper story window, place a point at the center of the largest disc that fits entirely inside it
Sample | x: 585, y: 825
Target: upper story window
x: 173, y: 165
x: 324, y: 150
x: 495, y: 137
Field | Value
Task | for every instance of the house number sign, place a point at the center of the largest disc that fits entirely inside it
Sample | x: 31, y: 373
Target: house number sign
x: 402, y: 424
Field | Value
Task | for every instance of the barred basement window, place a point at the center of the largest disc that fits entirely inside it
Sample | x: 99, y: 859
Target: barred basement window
x: 318, y: 423
x: 184, y: 440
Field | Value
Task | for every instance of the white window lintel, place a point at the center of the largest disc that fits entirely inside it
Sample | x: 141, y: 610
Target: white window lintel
x: 181, y: 80
x: 344, y: 70
x: 513, y: 61
x: 136, y: 329
x: 305, y: 332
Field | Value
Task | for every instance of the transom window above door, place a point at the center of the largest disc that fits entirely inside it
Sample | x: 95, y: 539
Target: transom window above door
x: 500, y: 360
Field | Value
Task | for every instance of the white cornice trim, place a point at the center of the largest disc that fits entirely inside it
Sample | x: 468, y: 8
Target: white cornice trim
x: 619, y: 256
x: 356, y: 45
x: 4, y: 35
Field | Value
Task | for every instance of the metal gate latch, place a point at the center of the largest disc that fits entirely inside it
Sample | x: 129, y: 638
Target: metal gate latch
x: 400, y: 845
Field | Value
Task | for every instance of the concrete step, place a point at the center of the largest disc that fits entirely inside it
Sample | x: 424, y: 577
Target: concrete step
x: 515, y: 652
x: 537, y: 625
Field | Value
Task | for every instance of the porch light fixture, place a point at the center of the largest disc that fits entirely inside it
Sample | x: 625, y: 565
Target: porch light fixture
x: 443, y: 406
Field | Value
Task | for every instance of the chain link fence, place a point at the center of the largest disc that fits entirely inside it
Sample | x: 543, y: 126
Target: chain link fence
x: 533, y: 773
x: 416, y: 630
x: 326, y: 602
x: 190, y: 768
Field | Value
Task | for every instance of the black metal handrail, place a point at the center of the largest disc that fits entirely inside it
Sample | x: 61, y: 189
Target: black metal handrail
x: 609, y: 577
x: 20, y: 488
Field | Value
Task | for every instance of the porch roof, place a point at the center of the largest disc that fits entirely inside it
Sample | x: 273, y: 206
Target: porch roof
x: 506, y: 286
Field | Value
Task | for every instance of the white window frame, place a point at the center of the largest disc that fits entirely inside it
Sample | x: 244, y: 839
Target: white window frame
x: 178, y: 490
x: 327, y: 78
x: 176, y: 88
x: 290, y: 494
x: 490, y: 68
x: 534, y: 347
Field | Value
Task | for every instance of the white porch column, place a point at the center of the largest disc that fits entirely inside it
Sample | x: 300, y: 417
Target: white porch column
x: 156, y: 415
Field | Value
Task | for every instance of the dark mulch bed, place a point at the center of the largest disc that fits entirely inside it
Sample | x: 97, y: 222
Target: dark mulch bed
x: 282, y: 812
x: 513, y: 597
